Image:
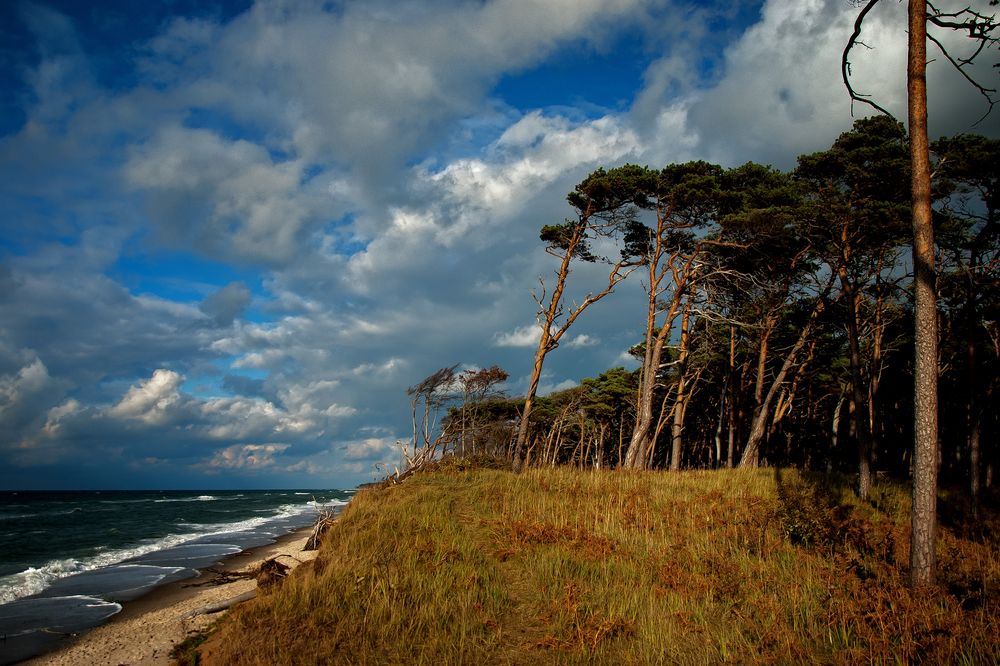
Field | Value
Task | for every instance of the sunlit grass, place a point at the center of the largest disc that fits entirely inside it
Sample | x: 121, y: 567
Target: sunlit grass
x: 563, y: 566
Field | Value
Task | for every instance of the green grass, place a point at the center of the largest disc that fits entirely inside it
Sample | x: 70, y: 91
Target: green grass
x: 559, y: 566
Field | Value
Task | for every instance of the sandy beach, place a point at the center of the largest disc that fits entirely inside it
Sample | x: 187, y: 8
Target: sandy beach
x: 147, y: 629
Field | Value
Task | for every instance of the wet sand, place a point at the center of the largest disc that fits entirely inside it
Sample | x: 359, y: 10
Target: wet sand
x: 147, y: 629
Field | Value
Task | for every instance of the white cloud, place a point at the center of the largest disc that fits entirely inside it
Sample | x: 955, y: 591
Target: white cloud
x: 246, y: 457
x: 152, y: 401
x: 548, y: 389
x: 386, y: 368
x: 56, y: 415
x: 228, y: 197
x: 371, y: 449
x: 29, y: 379
x: 583, y: 340
x: 354, y: 152
x: 522, y: 336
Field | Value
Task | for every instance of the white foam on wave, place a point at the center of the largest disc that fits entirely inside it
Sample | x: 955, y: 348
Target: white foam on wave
x: 15, y: 516
x: 128, y: 501
x: 276, y: 514
x: 34, y: 580
x: 28, y: 611
x: 199, y: 498
x: 66, y: 512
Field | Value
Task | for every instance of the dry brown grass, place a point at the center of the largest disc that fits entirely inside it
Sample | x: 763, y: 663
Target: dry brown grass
x: 463, y: 566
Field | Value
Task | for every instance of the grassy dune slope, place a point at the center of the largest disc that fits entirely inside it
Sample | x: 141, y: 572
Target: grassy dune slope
x: 562, y: 566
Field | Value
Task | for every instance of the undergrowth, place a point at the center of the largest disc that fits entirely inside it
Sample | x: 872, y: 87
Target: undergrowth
x: 475, y: 566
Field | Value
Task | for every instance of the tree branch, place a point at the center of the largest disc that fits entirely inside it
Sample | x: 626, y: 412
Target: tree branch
x: 845, y: 64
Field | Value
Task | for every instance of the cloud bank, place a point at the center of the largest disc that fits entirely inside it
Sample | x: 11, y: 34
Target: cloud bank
x: 225, y: 259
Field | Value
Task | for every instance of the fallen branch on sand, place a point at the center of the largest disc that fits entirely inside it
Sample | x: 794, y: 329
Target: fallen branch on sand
x: 221, y: 605
x: 266, y: 573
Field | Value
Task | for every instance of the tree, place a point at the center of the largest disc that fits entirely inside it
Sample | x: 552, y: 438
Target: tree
x: 755, y: 278
x: 477, y: 387
x: 602, y: 202
x: 979, y: 28
x: 609, y: 400
x: 427, y: 399
x: 925, y: 458
x: 968, y: 189
x: 684, y: 199
x: 858, y: 188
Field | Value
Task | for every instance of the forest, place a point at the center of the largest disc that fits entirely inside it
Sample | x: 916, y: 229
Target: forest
x: 778, y: 327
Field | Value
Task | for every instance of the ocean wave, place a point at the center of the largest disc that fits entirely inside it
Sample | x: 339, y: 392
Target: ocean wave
x: 42, y: 514
x: 128, y: 501
x: 34, y: 580
x: 199, y: 498
x: 23, y: 617
x: 17, y: 516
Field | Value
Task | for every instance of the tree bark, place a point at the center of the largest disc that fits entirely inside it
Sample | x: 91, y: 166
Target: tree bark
x: 925, y: 458
x: 860, y: 401
x: 529, y: 401
x: 677, y: 427
x: 731, y: 443
x: 751, y: 453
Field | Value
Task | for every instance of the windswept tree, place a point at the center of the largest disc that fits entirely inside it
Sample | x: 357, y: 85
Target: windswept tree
x: 427, y: 400
x: 759, y: 275
x: 603, y: 202
x: 609, y: 400
x: 477, y: 387
x: 683, y: 199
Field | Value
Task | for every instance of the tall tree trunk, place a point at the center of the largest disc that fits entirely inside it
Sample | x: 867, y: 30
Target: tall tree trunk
x: 751, y: 453
x: 974, y: 419
x: 635, y: 454
x: 860, y: 401
x: 835, y: 429
x: 925, y: 458
x: 717, y: 461
x: 677, y: 427
x: 731, y: 443
x: 529, y: 402
x: 640, y: 441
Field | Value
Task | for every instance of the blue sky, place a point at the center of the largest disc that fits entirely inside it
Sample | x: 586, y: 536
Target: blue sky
x: 233, y: 233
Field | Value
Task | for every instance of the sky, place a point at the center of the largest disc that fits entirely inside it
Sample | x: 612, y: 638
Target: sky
x: 233, y: 233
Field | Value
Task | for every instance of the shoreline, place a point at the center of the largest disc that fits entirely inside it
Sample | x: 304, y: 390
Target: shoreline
x: 146, y: 630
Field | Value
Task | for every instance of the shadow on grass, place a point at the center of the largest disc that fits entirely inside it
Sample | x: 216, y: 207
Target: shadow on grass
x: 821, y: 512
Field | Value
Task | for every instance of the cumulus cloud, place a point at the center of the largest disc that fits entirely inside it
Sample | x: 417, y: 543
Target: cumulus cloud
x: 583, y: 340
x: 522, y: 336
x: 152, y: 401
x: 23, y: 395
x: 371, y: 449
x: 230, y: 198
x: 246, y: 456
x: 226, y: 304
x: 360, y: 162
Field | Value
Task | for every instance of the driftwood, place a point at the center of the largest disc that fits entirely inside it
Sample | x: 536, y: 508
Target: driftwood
x: 219, y: 577
x: 270, y: 572
x: 319, y: 529
x: 266, y: 573
x: 221, y: 605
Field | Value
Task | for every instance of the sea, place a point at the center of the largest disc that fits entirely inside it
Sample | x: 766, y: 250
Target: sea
x: 70, y: 560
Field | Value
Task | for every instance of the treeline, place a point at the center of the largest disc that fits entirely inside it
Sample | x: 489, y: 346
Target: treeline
x: 778, y: 324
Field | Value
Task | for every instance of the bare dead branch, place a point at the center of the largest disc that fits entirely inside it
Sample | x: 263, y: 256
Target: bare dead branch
x: 845, y: 63
x: 984, y: 91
